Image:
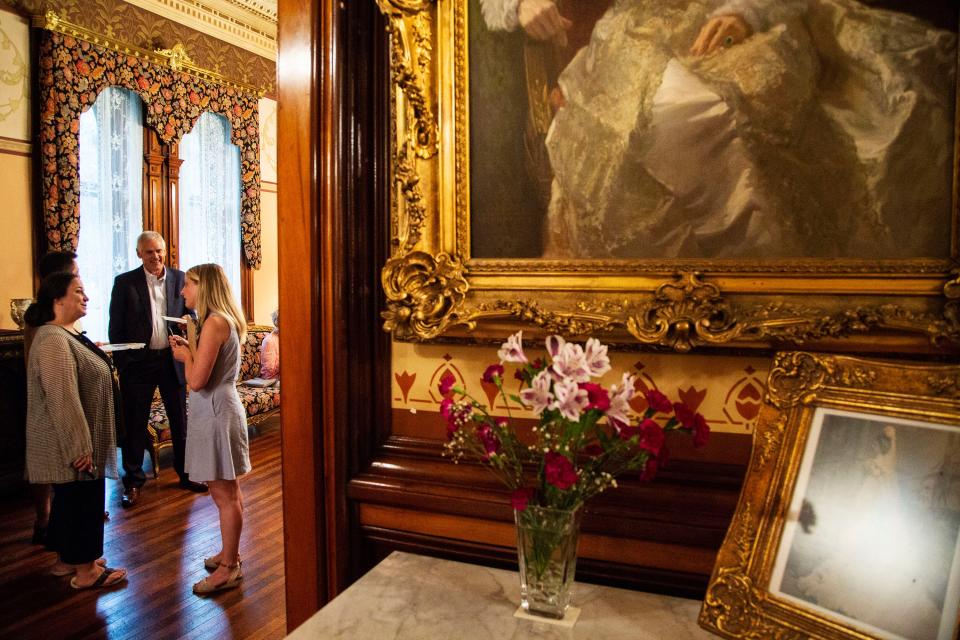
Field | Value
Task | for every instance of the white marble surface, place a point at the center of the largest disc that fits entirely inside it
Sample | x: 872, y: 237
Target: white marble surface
x: 411, y: 597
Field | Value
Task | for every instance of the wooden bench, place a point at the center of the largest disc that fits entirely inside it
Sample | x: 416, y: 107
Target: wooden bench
x: 260, y: 403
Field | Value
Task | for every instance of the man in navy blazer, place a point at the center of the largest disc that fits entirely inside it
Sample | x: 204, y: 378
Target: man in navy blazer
x: 139, y: 300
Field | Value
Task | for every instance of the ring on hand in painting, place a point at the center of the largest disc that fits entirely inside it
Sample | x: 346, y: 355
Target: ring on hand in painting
x: 728, y: 41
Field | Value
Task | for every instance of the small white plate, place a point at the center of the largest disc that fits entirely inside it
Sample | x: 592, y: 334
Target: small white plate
x: 172, y: 319
x: 122, y: 346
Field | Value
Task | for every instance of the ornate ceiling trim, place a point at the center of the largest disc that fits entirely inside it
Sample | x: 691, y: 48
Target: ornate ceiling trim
x: 176, y: 57
x: 244, y: 23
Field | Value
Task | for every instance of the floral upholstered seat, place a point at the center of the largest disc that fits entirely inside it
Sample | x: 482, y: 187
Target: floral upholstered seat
x: 259, y: 402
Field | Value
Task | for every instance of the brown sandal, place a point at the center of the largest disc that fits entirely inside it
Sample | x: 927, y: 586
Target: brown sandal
x: 103, y: 580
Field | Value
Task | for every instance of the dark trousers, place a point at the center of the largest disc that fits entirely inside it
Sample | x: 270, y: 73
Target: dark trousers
x: 138, y: 381
x: 76, y: 521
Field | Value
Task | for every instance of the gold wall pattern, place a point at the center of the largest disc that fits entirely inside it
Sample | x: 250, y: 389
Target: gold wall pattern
x: 727, y: 390
x: 13, y: 76
x: 118, y: 20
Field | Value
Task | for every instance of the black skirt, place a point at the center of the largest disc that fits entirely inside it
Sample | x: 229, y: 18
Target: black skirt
x: 76, y: 521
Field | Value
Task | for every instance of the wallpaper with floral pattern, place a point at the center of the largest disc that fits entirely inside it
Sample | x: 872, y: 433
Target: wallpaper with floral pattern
x: 71, y: 75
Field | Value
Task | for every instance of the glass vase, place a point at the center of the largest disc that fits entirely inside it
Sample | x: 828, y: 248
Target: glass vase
x: 547, y: 552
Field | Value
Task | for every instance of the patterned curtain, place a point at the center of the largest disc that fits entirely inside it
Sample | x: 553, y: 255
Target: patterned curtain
x: 72, y: 74
x: 210, y: 198
x: 111, y: 190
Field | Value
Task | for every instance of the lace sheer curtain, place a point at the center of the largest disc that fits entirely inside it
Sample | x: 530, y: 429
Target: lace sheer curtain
x: 111, y: 188
x: 210, y: 198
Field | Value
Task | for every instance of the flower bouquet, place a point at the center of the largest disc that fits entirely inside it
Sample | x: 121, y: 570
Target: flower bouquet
x: 586, y: 435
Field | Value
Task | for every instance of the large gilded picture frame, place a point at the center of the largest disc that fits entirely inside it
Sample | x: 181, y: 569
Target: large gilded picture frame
x: 848, y: 525
x: 461, y: 226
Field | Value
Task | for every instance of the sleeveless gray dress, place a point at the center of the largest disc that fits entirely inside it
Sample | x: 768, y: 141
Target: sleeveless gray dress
x: 217, y: 445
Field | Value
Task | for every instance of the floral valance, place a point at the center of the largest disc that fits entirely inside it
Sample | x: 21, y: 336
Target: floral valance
x: 72, y: 74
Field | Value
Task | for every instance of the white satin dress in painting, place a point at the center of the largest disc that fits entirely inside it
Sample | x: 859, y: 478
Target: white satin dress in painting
x: 826, y: 133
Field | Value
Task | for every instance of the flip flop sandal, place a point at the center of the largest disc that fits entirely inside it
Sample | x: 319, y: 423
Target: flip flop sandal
x: 101, y: 581
x: 60, y: 573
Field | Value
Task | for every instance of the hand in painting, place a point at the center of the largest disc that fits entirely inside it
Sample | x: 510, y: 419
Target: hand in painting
x: 721, y: 32
x: 541, y: 20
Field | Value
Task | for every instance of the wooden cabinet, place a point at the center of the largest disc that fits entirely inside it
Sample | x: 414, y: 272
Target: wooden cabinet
x: 13, y: 409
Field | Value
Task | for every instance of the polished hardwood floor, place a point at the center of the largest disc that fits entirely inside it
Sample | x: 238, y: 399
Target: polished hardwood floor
x: 161, y: 542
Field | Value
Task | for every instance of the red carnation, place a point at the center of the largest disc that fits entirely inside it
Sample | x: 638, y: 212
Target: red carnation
x: 559, y: 471
x: 658, y: 401
x: 493, y: 371
x: 447, y: 380
x: 684, y: 415
x: 626, y: 431
x: 651, y: 436
x: 520, y: 498
x: 597, y: 396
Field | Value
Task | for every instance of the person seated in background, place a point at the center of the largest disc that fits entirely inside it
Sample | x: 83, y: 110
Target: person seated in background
x: 270, y: 350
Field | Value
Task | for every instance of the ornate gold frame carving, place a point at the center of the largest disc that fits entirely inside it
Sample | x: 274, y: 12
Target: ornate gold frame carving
x: 739, y: 602
x: 905, y: 305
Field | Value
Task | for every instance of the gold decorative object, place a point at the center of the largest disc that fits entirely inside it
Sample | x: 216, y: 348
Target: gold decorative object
x: 177, y: 55
x: 423, y: 293
x: 844, y: 443
x: 18, y: 306
x: 684, y: 304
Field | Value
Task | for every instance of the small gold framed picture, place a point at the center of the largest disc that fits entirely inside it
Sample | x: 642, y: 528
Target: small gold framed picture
x: 848, y: 525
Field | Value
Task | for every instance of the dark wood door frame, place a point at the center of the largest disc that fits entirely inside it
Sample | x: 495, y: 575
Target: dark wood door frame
x: 332, y: 223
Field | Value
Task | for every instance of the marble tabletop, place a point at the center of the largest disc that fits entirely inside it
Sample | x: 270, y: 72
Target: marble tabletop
x: 411, y: 597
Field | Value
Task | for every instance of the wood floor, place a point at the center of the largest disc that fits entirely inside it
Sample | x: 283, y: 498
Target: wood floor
x: 161, y: 542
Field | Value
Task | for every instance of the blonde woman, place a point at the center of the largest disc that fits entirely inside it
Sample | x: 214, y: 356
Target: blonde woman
x: 217, y: 450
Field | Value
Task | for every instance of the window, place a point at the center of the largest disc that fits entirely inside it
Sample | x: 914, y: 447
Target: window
x: 130, y: 181
x: 210, y: 198
x: 111, y: 188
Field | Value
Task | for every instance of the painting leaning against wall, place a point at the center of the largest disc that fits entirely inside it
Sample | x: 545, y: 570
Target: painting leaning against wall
x: 768, y: 129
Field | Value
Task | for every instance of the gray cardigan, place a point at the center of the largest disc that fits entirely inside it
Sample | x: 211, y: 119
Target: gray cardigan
x: 69, y: 409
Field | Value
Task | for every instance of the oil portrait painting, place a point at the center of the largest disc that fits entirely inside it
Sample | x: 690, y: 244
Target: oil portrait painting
x: 872, y: 533
x: 742, y: 129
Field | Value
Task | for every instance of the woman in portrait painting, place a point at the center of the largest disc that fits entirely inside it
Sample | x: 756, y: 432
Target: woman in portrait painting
x: 746, y: 129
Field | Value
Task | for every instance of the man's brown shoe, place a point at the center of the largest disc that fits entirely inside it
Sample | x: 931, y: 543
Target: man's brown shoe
x: 130, y: 497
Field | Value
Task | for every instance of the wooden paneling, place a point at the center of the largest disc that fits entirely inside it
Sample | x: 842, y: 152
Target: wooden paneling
x: 302, y: 29
x: 661, y: 536
x: 13, y: 399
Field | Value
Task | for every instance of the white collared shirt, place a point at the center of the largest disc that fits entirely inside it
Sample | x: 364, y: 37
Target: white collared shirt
x: 158, y: 308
